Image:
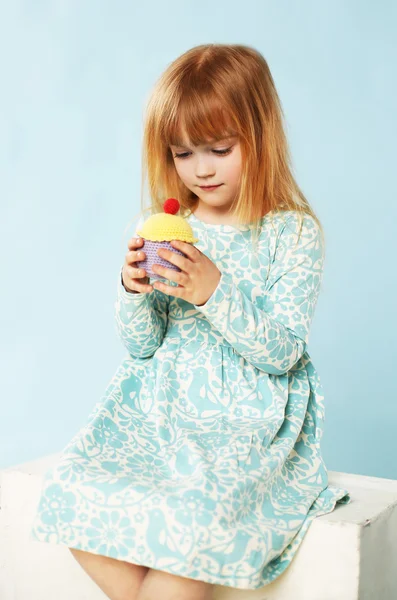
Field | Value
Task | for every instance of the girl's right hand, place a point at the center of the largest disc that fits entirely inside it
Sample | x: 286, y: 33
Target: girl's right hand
x: 135, y: 280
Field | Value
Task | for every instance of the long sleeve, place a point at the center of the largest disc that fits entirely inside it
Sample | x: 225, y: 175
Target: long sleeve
x: 140, y: 319
x: 274, y: 336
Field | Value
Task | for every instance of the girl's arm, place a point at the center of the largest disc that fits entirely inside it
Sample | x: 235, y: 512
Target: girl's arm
x: 140, y: 319
x: 273, y: 333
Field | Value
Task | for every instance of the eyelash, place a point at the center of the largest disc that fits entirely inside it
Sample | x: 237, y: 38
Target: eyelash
x: 219, y: 152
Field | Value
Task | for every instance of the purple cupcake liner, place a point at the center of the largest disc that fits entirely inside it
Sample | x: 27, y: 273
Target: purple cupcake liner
x: 152, y: 258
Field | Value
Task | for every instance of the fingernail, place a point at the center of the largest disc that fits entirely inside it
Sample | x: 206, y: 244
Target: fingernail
x: 139, y: 240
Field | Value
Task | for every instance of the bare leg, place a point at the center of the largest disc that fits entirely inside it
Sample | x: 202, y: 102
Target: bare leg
x: 159, y: 584
x: 118, y: 579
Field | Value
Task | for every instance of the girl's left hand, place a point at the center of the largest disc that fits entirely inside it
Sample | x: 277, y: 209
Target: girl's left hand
x: 198, y: 277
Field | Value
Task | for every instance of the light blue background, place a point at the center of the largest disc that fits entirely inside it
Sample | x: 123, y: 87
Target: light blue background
x: 75, y: 77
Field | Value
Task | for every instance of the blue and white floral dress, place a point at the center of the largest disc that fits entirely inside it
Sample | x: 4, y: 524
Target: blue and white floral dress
x: 203, y: 456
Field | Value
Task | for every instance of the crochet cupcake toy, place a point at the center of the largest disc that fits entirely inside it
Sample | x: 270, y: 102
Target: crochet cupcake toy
x: 157, y: 232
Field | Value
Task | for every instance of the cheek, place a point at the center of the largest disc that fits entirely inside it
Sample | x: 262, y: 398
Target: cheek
x: 234, y: 170
x: 177, y: 167
x: 182, y: 171
x: 237, y: 160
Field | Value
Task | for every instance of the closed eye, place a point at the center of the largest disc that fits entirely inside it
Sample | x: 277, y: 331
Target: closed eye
x: 219, y: 152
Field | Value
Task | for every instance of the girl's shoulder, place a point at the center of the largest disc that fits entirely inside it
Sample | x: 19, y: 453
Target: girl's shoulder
x: 292, y: 221
x: 291, y: 230
x: 289, y: 216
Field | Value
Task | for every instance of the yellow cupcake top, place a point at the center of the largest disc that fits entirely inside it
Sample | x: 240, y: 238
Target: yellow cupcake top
x: 167, y: 226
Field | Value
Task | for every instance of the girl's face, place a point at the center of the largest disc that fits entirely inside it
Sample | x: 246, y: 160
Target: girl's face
x: 218, y: 163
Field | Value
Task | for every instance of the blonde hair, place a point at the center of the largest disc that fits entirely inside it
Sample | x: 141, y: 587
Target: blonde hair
x: 213, y: 91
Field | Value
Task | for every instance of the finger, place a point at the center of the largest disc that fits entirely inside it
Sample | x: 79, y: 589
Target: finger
x: 168, y: 289
x: 142, y: 287
x: 175, y: 258
x: 167, y: 273
x: 133, y: 243
x: 135, y: 255
x: 136, y: 273
x: 188, y: 249
x: 137, y: 285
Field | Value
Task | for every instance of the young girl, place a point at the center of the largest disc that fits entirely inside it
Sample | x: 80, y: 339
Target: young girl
x: 201, y: 464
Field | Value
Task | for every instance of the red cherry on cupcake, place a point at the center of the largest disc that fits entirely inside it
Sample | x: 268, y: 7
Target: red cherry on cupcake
x: 171, y: 206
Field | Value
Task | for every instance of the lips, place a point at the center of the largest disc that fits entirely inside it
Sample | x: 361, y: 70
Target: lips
x: 207, y: 187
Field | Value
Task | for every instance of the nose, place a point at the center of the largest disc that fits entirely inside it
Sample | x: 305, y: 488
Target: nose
x: 205, y: 167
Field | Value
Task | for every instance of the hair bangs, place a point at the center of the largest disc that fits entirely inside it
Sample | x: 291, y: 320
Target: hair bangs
x: 200, y: 120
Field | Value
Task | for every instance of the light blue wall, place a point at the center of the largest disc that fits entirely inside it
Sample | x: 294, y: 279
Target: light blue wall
x: 75, y: 77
